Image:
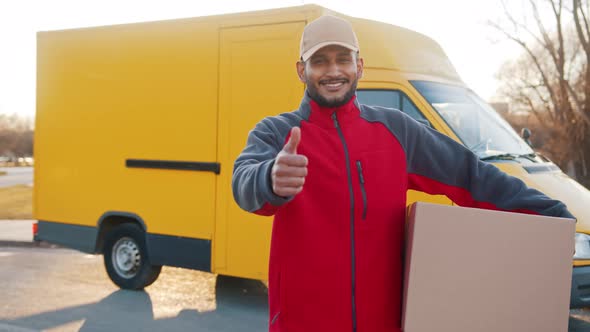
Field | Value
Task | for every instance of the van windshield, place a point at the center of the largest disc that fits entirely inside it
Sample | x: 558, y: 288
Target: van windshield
x: 476, y: 123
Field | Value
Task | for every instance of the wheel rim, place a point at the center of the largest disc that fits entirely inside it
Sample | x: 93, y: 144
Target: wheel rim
x: 126, y: 257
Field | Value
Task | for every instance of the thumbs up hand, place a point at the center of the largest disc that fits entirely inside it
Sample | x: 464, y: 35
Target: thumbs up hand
x: 290, y: 169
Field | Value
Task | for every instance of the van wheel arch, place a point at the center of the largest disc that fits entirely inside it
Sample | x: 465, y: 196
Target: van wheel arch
x: 110, y: 220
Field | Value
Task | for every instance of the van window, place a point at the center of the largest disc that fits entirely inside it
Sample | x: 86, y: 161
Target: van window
x: 391, y: 99
x: 476, y: 123
x: 384, y: 98
x: 411, y: 110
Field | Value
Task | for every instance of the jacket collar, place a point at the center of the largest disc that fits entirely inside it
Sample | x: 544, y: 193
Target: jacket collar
x: 322, y: 116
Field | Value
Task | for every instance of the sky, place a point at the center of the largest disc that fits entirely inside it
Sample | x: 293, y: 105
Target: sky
x: 459, y: 26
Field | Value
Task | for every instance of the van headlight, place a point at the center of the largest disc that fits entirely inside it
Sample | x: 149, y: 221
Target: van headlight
x: 582, y: 246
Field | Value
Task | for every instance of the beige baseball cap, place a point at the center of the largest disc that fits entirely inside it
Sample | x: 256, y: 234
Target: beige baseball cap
x: 324, y: 31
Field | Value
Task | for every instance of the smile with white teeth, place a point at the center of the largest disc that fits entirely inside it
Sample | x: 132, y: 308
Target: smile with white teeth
x: 333, y: 84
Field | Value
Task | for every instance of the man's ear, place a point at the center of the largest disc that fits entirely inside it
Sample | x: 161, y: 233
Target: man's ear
x: 301, y: 70
x: 360, y: 64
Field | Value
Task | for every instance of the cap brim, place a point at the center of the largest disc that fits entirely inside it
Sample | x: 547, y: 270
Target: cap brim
x: 315, y: 48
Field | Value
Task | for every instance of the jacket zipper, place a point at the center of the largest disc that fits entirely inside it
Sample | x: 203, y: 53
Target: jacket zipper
x: 274, y: 319
x: 359, y: 168
x: 351, y: 193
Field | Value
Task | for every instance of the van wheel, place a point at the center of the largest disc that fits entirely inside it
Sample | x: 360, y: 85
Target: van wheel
x: 126, y: 259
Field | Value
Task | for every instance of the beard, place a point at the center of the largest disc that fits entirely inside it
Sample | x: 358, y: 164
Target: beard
x: 322, y: 101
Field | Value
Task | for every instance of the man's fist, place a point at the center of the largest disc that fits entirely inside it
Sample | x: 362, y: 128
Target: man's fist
x: 289, y: 170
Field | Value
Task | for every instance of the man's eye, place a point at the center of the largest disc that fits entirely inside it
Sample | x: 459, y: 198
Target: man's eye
x: 344, y: 60
x: 317, y: 61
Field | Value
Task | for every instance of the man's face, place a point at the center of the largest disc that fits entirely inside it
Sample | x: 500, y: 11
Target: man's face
x: 331, y: 75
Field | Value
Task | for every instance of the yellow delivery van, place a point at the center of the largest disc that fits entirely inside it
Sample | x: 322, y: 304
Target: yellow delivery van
x: 138, y: 126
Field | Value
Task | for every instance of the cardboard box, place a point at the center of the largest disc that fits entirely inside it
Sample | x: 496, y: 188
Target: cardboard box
x: 473, y: 270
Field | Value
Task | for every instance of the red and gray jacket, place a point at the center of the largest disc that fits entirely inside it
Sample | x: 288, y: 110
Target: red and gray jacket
x: 336, y: 249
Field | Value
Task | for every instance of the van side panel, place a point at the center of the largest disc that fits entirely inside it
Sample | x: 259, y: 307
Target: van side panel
x: 145, y: 92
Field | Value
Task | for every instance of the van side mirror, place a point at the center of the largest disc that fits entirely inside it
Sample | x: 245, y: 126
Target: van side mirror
x: 526, y: 135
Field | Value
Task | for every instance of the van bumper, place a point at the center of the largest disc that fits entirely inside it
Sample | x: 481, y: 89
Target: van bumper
x: 580, y: 296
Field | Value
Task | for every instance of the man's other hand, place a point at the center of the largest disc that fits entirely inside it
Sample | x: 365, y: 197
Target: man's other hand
x: 290, y: 169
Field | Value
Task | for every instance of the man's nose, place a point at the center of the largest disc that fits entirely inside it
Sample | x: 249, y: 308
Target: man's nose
x: 333, y: 69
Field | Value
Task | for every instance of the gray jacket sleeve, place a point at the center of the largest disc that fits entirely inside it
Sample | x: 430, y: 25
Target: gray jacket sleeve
x: 251, y: 182
x: 438, y: 164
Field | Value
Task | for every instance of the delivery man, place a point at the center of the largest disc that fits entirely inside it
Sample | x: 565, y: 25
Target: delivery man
x: 335, y: 173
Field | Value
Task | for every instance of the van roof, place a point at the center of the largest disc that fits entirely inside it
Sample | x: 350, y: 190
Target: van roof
x: 382, y: 45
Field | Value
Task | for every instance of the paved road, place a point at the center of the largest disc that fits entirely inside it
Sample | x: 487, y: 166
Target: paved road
x: 61, y: 290
x: 16, y: 175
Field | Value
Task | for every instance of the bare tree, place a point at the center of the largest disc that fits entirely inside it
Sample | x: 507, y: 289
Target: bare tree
x: 16, y: 136
x: 551, y: 79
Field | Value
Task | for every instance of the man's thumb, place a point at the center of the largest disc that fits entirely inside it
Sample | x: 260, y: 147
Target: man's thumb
x: 291, y: 146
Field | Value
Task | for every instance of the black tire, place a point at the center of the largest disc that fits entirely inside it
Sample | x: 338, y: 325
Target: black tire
x: 126, y: 259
